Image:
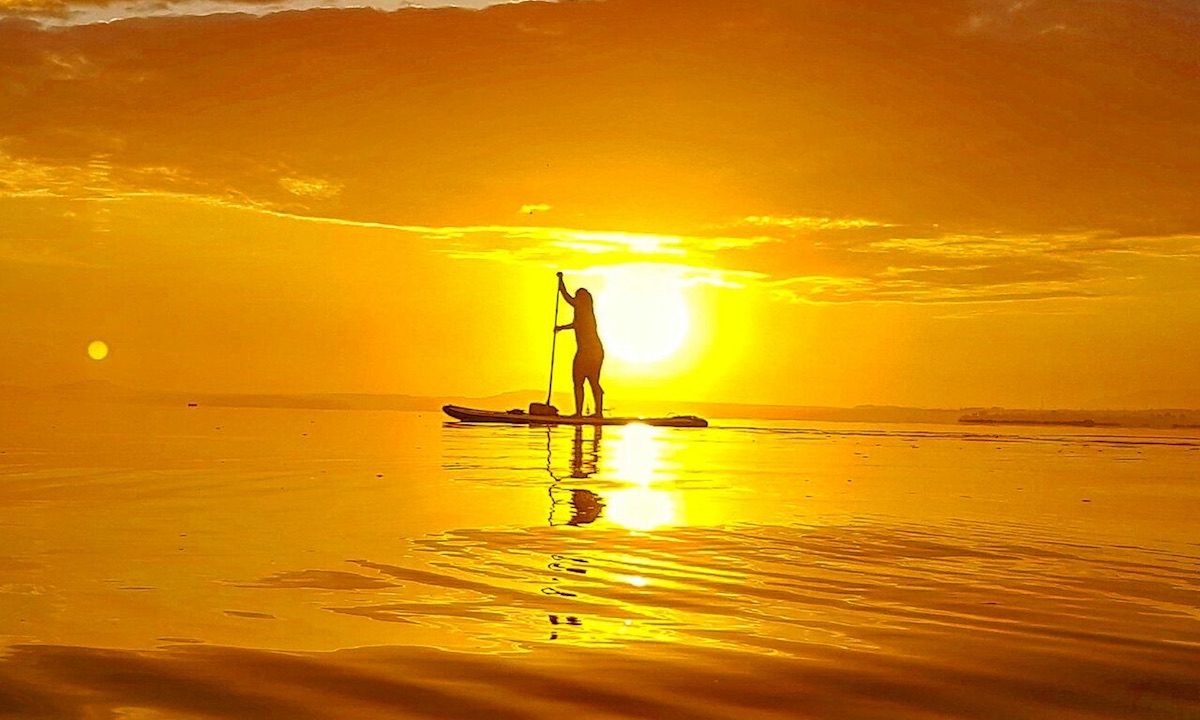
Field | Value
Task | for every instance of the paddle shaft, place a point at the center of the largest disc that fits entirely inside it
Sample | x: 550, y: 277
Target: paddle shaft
x: 553, y: 343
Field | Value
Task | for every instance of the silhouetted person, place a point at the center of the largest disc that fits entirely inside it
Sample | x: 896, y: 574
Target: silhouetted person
x: 589, y: 352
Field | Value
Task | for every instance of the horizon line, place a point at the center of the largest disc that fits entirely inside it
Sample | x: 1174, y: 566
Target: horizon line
x: 525, y: 393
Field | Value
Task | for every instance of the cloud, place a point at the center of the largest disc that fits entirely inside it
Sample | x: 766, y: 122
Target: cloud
x: 1026, y: 18
x: 968, y: 167
x: 522, y: 243
x: 98, y: 180
x: 800, y: 259
x: 24, y: 178
x: 310, y: 187
x: 813, y: 223
x: 84, y: 12
x: 937, y: 268
x: 927, y: 285
x: 658, y: 131
x: 956, y: 268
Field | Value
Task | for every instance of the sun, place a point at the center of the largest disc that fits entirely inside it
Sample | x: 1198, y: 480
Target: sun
x: 97, y: 349
x: 642, y: 317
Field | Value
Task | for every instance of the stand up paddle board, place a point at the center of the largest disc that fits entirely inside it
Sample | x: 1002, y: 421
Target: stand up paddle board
x: 520, y: 417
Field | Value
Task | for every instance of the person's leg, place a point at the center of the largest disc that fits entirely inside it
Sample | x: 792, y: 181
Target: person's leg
x: 597, y: 393
x: 594, y: 381
x: 577, y: 378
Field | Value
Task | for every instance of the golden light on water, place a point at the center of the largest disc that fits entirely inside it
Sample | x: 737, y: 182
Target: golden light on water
x: 637, y: 460
x: 97, y: 350
x: 636, y: 455
x: 642, y: 508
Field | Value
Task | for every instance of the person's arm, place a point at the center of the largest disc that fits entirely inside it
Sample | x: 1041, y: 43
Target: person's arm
x: 568, y: 326
x: 562, y: 289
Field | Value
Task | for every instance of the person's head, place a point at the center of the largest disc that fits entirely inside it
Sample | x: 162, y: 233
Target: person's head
x: 584, y: 295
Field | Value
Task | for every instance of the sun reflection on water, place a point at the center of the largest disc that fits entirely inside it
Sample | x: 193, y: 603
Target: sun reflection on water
x: 637, y: 454
x: 622, y: 491
x: 637, y: 460
x: 642, y: 508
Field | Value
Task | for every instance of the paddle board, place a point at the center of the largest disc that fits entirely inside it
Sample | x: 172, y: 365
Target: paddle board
x: 520, y: 417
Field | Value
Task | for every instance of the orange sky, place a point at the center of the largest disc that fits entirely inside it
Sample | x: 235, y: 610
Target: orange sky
x: 935, y: 204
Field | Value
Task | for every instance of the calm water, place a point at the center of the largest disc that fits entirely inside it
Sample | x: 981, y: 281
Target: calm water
x: 209, y: 562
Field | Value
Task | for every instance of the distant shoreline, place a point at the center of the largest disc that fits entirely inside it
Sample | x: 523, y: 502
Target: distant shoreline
x: 1163, y: 419
x: 1069, y: 423
x: 97, y: 391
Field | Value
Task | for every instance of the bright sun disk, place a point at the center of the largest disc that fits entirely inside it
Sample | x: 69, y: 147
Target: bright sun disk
x: 641, y: 322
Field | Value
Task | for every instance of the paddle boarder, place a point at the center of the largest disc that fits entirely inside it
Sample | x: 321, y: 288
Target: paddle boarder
x: 589, y: 351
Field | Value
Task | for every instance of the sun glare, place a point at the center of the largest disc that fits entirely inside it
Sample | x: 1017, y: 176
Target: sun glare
x: 642, y: 315
x: 636, y: 454
x: 641, y: 508
x: 637, y: 460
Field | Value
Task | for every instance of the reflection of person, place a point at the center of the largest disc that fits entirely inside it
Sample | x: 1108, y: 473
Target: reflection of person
x: 582, y: 467
x: 589, y: 352
x: 585, y: 505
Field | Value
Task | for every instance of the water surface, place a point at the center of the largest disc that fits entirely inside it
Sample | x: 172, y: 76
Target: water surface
x: 216, y: 562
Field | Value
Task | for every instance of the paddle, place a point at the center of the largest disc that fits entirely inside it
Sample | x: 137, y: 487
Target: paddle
x: 546, y: 408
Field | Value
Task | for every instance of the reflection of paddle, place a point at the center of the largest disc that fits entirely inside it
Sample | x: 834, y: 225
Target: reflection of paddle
x: 546, y: 408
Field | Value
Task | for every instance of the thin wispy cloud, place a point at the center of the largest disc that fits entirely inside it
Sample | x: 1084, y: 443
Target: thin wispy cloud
x: 813, y: 223
x: 843, y: 267
x: 522, y: 243
x: 85, y: 12
x: 930, y: 289
x: 311, y: 187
